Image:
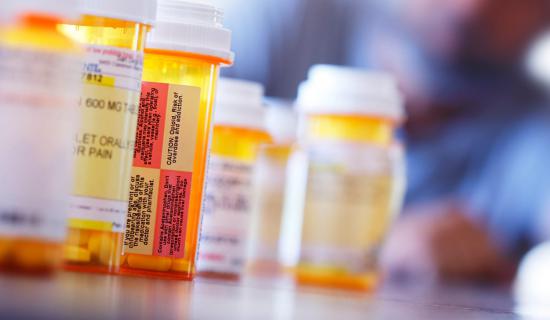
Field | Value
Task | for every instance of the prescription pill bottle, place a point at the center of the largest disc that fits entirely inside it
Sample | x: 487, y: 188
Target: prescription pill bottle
x: 39, y: 73
x: 269, y: 191
x: 239, y: 131
x: 342, y: 176
x: 182, y: 59
x: 113, y: 33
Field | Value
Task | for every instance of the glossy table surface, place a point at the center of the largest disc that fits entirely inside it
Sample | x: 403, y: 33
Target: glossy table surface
x: 86, y: 296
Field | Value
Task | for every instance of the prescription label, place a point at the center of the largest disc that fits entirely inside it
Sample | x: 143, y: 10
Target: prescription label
x: 347, y: 209
x: 160, y: 185
x: 38, y: 98
x: 269, y: 201
x: 226, y: 216
x: 104, y: 142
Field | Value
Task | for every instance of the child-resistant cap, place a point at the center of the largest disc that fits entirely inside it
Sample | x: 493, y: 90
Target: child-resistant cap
x: 141, y: 11
x: 239, y: 104
x: 281, y: 121
x: 193, y: 27
x: 11, y: 10
x: 348, y: 91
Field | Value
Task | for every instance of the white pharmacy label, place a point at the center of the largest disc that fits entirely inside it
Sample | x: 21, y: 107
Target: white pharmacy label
x: 38, y: 99
x: 114, y: 67
x: 226, y: 216
x: 105, y: 139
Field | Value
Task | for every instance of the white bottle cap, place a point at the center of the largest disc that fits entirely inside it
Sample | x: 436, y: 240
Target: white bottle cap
x: 11, y: 10
x: 532, y: 284
x: 141, y: 11
x: 190, y: 26
x: 281, y: 121
x: 347, y: 91
x: 239, y: 104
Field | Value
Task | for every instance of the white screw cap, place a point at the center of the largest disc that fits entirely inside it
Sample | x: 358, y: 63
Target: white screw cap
x: 191, y: 26
x: 348, y: 91
x: 239, y: 104
x: 281, y: 121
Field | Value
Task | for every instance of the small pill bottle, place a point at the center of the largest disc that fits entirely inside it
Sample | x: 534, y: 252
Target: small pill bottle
x: 39, y: 73
x: 342, y: 176
x: 269, y: 191
x: 113, y: 33
x: 182, y: 60
x: 239, y: 131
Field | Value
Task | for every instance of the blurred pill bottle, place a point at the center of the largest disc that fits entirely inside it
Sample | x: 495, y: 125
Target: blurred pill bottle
x: 342, y: 181
x: 398, y: 163
x: 239, y: 131
x: 269, y: 187
x: 182, y: 59
x: 39, y: 73
x: 113, y: 33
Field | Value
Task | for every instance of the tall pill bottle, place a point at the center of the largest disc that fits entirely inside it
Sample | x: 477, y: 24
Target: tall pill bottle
x: 182, y: 60
x: 239, y: 131
x: 269, y: 192
x: 113, y: 33
x: 39, y: 73
x: 342, y: 176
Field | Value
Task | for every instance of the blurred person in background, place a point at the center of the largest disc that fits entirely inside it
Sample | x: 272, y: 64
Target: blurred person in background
x: 478, y: 126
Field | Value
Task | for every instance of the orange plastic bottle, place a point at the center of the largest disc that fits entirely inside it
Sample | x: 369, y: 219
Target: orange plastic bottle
x: 182, y: 61
x: 113, y: 33
x: 239, y: 131
x: 344, y: 185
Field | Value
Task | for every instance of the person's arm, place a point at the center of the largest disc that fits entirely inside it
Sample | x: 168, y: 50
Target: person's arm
x: 438, y: 242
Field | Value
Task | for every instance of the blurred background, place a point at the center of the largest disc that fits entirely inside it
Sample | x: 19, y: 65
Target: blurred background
x: 475, y: 78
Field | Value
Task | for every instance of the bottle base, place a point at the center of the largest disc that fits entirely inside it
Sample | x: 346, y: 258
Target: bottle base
x: 87, y: 268
x: 365, y: 282
x: 156, y: 274
x: 28, y: 256
x: 266, y: 268
x: 219, y: 275
x: 92, y: 251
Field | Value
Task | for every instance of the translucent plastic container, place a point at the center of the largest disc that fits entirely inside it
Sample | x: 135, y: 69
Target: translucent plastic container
x: 113, y: 33
x: 343, y: 178
x: 269, y: 191
x: 39, y: 72
x: 182, y: 61
x: 239, y: 131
